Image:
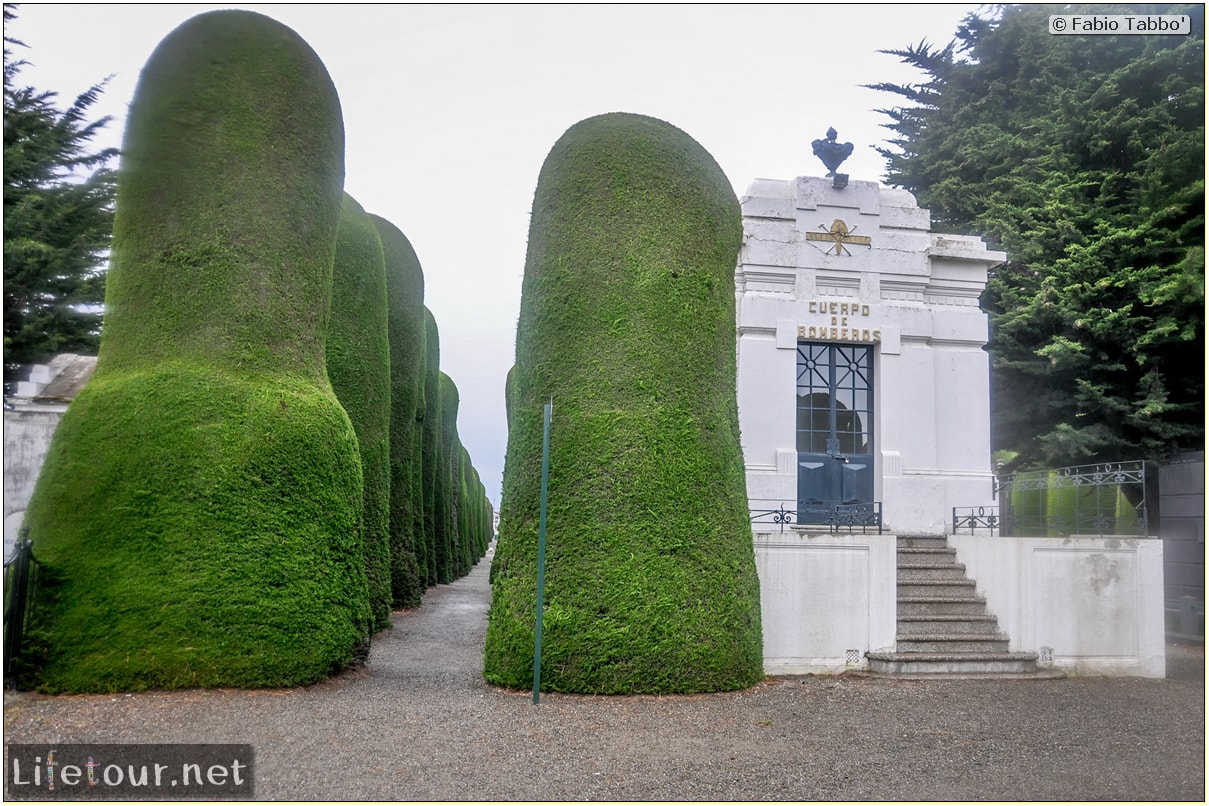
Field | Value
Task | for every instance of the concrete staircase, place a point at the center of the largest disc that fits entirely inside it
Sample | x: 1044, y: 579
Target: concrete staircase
x: 944, y: 628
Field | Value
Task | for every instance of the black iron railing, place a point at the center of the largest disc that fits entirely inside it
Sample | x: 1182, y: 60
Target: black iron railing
x: 975, y: 519
x: 18, y: 573
x: 1107, y: 499
x: 863, y: 515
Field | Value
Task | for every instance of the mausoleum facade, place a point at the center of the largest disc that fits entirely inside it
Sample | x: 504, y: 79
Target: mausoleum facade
x: 862, y: 374
x: 864, y: 410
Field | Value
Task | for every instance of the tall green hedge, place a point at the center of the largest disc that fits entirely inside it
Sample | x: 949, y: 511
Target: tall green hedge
x: 482, y: 515
x: 509, y: 384
x: 405, y: 291
x: 467, y: 504
x: 434, y: 461
x: 627, y: 322
x: 359, y: 366
x: 199, y: 505
x: 509, y: 395
x: 447, y: 483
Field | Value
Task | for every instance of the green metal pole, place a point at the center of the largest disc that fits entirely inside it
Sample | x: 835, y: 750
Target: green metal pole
x: 541, y: 558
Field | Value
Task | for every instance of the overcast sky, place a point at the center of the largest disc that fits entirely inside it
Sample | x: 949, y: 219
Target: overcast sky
x: 449, y: 112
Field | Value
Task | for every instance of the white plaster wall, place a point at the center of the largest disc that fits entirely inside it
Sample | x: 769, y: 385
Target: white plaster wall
x: 27, y: 437
x: 962, y: 398
x: 822, y: 595
x: 766, y: 417
x: 1095, y: 602
x: 908, y: 403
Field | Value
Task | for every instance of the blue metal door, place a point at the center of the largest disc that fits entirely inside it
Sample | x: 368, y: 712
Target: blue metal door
x: 834, y: 428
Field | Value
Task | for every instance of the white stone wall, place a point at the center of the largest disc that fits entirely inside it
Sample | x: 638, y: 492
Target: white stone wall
x: 826, y: 600
x: 913, y: 295
x: 27, y: 437
x: 30, y: 419
x: 1094, y: 603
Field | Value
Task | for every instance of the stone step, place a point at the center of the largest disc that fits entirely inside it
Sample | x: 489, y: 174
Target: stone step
x: 969, y: 624
x: 941, y: 606
x: 949, y: 644
x: 944, y: 587
x: 926, y: 555
x: 931, y: 571
x: 951, y: 663
x: 944, y: 628
x: 923, y: 542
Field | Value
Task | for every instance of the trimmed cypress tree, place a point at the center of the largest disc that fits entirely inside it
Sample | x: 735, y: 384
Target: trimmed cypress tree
x: 359, y: 366
x: 466, y: 506
x: 198, y: 507
x: 434, y: 459
x: 482, y: 522
x: 405, y: 292
x: 509, y: 383
x: 447, y: 483
x: 627, y: 321
x: 509, y: 395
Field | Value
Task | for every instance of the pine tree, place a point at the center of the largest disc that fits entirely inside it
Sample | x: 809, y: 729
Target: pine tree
x: 1083, y: 157
x: 58, y: 219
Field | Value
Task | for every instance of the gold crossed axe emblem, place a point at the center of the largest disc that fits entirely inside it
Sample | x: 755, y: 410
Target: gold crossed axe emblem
x: 839, y: 235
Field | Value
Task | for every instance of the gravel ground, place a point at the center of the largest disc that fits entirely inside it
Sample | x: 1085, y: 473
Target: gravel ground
x: 419, y: 723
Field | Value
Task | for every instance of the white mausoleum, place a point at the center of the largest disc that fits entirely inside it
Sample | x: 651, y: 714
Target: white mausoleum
x: 864, y: 410
x: 862, y: 373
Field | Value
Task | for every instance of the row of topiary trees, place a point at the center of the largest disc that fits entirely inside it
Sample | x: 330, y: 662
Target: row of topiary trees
x: 383, y: 358
x: 266, y: 460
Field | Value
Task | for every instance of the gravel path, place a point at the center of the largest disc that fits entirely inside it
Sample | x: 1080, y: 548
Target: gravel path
x: 419, y: 723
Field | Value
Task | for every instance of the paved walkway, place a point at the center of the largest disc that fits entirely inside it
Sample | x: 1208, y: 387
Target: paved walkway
x: 420, y: 724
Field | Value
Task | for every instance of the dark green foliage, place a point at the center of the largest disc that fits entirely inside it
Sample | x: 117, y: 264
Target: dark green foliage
x: 448, y: 492
x: 211, y: 554
x: 201, y: 497
x: 509, y: 383
x: 478, y: 521
x: 434, y: 459
x: 509, y: 395
x: 359, y: 364
x: 56, y: 229
x: 469, y: 501
x: 627, y: 322
x: 1084, y: 158
x: 405, y: 286
x: 467, y: 506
